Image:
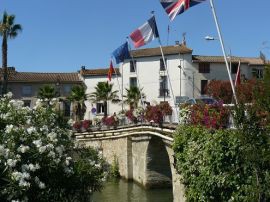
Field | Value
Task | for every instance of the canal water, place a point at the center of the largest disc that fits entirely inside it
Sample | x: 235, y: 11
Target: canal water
x: 123, y: 191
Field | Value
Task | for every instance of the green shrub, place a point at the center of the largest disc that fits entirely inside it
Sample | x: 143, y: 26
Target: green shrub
x: 220, y: 165
x: 114, y: 169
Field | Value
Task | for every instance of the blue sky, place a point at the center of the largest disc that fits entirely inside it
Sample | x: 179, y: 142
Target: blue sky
x: 61, y: 35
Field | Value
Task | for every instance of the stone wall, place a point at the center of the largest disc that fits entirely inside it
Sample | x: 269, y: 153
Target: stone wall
x: 146, y: 159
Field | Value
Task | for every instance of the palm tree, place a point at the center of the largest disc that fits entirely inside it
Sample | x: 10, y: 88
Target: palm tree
x: 104, y: 94
x: 7, y: 30
x: 133, y: 96
x: 77, y: 97
x: 47, y: 92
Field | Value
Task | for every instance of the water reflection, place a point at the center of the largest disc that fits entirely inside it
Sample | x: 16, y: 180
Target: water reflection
x: 122, y: 191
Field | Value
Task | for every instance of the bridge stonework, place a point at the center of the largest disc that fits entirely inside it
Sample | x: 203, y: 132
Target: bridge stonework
x: 144, y: 155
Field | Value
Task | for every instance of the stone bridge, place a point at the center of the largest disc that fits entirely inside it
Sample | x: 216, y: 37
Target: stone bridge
x: 144, y: 153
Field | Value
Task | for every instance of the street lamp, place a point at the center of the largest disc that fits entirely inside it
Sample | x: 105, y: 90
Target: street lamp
x: 209, y: 38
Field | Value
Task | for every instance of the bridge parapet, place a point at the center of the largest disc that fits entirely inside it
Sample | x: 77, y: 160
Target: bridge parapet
x: 165, y: 132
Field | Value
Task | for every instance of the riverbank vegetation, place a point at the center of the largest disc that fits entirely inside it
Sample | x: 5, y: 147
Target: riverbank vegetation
x: 39, y: 160
x: 218, y: 164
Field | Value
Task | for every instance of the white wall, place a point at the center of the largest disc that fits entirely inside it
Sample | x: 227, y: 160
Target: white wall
x: 91, y: 82
x: 148, y: 78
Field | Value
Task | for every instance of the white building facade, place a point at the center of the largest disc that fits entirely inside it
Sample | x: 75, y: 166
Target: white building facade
x: 91, y: 77
x: 186, y: 75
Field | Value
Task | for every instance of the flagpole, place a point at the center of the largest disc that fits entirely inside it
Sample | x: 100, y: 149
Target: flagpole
x: 122, y: 83
x: 133, y: 61
x: 168, y: 35
x: 223, y: 50
x: 165, y: 65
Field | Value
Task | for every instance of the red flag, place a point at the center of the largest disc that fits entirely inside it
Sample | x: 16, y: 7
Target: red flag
x: 110, y: 72
x: 238, y: 76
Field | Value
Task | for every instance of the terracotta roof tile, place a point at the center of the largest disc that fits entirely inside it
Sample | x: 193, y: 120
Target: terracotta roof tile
x: 34, y: 77
x: 220, y: 59
x: 97, y: 72
x: 168, y: 50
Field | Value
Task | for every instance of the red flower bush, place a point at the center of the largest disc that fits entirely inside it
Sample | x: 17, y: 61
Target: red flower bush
x: 211, y: 116
x: 165, y: 108
x: 130, y: 116
x: 154, y: 113
x: 109, y: 121
x: 86, y: 124
x: 220, y: 90
x: 77, y: 125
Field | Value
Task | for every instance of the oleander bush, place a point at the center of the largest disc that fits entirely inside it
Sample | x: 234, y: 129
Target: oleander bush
x: 38, y: 158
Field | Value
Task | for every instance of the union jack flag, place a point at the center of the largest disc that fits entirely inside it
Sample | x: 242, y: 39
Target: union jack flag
x: 176, y: 7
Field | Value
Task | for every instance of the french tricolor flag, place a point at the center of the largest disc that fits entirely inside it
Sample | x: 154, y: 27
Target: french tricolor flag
x: 145, y: 33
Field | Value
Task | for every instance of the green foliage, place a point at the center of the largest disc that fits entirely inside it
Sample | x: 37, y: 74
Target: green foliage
x: 8, y: 29
x: 223, y: 165
x: 133, y: 96
x: 77, y: 97
x: 38, y: 158
x: 114, y: 169
x: 46, y: 92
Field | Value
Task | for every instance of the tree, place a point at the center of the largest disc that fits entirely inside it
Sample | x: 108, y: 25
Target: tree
x: 133, y: 96
x: 220, y: 90
x: 47, y: 92
x: 104, y: 93
x: 77, y: 97
x: 7, y: 30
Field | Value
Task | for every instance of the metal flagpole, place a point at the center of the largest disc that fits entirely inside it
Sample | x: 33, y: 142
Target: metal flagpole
x: 165, y: 65
x: 122, y: 83
x: 223, y: 50
x: 135, y: 68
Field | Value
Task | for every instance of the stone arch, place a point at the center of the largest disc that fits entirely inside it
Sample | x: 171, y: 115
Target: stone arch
x: 157, y: 165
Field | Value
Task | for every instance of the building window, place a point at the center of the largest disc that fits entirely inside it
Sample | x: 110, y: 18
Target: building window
x: 133, y: 81
x: 133, y: 65
x: 234, y: 68
x: 257, y: 73
x: 163, y: 86
x: 162, y: 65
x: 67, y: 89
x: 100, y: 108
x: 204, y: 67
x: 27, y: 103
x: 27, y: 90
x: 203, y: 86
